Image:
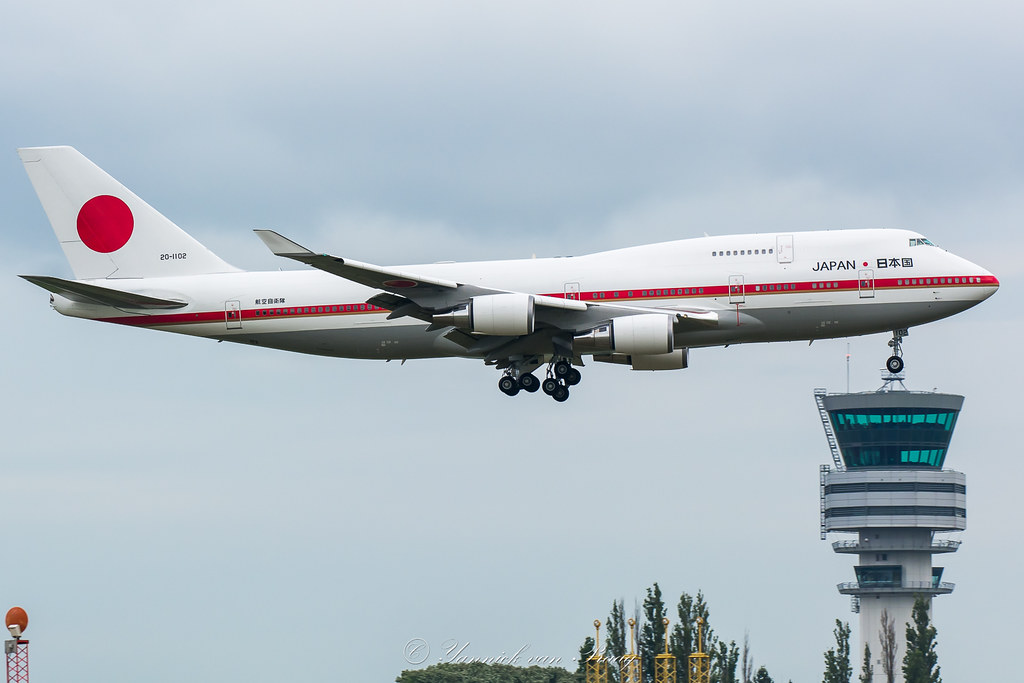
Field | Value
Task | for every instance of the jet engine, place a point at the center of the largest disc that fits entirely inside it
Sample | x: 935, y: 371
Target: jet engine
x: 507, y: 315
x: 648, y: 334
x: 677, y: 360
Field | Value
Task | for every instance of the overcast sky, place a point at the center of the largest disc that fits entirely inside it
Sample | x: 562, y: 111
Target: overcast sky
x: 181, y: 509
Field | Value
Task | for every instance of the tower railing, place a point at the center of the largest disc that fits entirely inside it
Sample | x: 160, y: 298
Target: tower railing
x: 934, y: 546
x: 919, y: 586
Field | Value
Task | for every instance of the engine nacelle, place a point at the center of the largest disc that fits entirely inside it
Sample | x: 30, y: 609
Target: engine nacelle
x: 648, y: 334
x: 506, y: 315
x: 677, y: 360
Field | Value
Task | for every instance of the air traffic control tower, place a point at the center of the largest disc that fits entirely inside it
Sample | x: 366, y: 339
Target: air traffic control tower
x: 889, y: 488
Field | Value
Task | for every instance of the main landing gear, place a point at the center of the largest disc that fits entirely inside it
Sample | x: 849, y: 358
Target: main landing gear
x: 895, y: 362
x: 560, y: 376
x: 512, y: 382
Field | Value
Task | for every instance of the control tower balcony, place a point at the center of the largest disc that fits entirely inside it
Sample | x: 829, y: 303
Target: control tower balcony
x: 911, y: 588
x: 856, y: 547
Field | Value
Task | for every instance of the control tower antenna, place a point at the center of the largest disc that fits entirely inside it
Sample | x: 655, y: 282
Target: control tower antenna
x: 847, y: 367
x: 17, y: 648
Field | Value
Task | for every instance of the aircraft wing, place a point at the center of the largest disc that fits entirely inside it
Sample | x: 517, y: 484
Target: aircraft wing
x: 418, y: 296
x: 105, y: 296
x: 364, y: 273
x: 428, y: 293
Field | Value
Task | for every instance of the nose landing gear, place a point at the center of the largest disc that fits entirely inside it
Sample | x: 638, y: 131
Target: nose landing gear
x: 895, y: 364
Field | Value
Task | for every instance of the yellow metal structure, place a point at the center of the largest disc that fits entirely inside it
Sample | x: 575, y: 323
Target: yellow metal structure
x: 700, y: 663
x: 629, y: 671
x: 596, y: 666
x: 665, y: 665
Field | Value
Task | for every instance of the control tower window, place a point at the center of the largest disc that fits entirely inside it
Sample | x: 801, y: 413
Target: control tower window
x: 894, y: 437
x: 880, y: 576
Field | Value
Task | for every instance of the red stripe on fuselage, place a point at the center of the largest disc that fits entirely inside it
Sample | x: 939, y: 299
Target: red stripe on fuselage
x: 621, y: 295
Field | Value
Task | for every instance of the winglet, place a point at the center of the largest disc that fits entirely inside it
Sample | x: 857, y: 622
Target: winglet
x: 280, y: 245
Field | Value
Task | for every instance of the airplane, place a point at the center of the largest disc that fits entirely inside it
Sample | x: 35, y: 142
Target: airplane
x: 643, y: 307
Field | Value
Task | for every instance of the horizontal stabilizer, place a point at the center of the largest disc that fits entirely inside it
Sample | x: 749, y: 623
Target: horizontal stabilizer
x: 104, y: 296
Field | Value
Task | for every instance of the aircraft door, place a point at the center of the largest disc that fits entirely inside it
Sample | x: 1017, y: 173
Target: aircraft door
x: 233, y: 315
x: 866, y: 284
x: 784, y: 248
x: 736, y: 293
x: 572, y: 290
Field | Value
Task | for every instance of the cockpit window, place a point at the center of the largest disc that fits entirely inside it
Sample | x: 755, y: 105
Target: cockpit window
x: 916, y: 241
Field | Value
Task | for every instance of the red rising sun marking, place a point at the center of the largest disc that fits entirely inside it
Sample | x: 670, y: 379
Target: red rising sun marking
x: 865, y: 264
x: 399, y: 284
x: 105, y: 223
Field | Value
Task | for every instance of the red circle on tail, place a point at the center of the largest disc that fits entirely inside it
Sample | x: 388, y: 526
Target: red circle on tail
x: 105, y: 223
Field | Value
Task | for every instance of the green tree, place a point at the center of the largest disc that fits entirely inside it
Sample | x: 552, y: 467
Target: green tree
x: 746, y: 661
x: 615, y: 646
x: 723, y: 662
x: 867, y: 671
x: 837, y: 659
x: 762, y: 676
x: 652, y: 634
x: 479, y: 672
x: 921, y: 662
x: 586, y: 650
x: 683, y: 641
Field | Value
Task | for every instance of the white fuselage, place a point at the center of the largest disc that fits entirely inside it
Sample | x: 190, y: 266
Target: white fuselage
x: 765, y: 287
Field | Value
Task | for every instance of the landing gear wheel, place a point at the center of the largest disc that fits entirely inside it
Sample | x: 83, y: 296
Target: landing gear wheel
x: 528, y: 382
x: 550, y: 386
x: 561, y: 393
x: 574, y: 377
x: 562, y: 369
x: 894, y: 364
x: 508, y: 385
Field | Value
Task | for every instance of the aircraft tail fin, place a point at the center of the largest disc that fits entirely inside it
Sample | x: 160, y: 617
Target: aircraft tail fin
x: 105, y: 230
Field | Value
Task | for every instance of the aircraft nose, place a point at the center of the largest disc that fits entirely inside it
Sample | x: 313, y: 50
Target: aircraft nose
x: 989, y: 283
